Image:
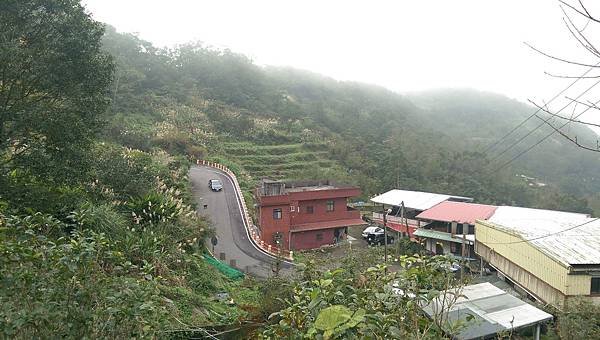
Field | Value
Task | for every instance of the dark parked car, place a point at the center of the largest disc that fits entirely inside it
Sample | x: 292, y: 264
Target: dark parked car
x: 215, y: 185
x: 379, y: 239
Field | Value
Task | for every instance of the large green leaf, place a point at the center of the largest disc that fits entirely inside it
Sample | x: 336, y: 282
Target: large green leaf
x: 331, y: 317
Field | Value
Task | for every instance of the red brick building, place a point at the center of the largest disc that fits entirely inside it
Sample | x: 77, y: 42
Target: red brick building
x: 305, y: 215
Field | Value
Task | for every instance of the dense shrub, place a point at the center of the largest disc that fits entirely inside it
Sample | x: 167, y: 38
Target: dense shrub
x: 370, y: 303
x: 71, y: 287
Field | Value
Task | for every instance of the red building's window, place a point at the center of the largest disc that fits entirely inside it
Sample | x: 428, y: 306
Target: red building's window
x: 310, y: 209
x: 277, y: 214
x: 330, y: 205
x: 319, y: 237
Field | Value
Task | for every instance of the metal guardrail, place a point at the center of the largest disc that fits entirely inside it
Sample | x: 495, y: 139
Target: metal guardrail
x: 248, y: 223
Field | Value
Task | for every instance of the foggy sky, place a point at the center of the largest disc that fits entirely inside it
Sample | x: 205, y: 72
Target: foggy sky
x: 405, y: 46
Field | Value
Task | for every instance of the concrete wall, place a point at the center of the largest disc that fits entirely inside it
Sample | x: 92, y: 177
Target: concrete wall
x: 430, y: 245
x: 308, y: 239
x: 320, y: 212
x: 269, y: 226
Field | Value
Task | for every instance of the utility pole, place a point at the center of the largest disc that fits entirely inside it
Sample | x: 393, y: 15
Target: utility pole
x: 397, y: 243
x: 398, y: 175
x: 403, y: 218
x: 384, y: 235
x: 481, y: 267
x: 463, y: 250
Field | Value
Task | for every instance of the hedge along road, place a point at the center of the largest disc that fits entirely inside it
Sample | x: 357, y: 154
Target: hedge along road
x: 224, y: 211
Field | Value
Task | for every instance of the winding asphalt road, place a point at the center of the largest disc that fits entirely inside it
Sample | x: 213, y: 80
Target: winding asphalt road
x: 223, y: 209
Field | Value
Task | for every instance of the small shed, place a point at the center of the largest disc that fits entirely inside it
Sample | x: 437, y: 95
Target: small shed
x: 483, y: 310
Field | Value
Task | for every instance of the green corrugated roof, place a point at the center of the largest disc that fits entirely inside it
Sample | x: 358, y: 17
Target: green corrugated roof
x: 438, y: 235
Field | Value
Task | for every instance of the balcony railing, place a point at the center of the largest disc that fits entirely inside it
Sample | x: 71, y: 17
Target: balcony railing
x: 397, y: 220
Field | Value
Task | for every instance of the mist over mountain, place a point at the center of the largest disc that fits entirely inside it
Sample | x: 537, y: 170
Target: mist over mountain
x: 281, y: 122
x: 482, y: 119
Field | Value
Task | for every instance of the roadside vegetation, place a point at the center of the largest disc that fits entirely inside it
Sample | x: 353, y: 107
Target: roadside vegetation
x: 97, y: 239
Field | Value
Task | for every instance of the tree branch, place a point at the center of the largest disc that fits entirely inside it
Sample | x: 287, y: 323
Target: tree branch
x: 561, y: 59
x: 588, y: 104
x: 570, y: 77
x: 586, y: 14
x: 585, y: 43
x: 574, y: 141
x: 562, y: 117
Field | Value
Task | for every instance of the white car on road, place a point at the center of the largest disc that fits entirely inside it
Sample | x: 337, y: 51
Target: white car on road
x: 371, y: 230
x: 215, y: 185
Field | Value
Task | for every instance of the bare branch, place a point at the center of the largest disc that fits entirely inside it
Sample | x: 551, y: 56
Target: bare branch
x: 588, y: 104
x: 586, y: 14
x: 561, y: 59
x: 572, y: 140
x: 562, y: 117
x: 579, y: 36
x: 587, y: 23
x: 579, y: 31
x: 585, y: 9
x: 570, y: 77
x: 543, y: 139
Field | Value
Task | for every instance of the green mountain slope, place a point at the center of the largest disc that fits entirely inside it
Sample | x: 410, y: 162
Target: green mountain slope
x: 285, y: 123
x: 480, y: 119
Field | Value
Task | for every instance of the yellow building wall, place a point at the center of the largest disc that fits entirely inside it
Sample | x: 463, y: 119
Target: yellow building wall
x: 532, y: 260
x: 579, y: 285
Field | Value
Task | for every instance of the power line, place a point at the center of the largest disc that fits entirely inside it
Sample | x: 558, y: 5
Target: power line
x: 542, y: 124
x: 548, y: 235
x: 491, y: 146
x: 571, y: 119
x: 543, y: 139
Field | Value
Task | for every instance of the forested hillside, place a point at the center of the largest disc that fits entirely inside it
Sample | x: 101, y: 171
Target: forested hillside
x: 479, y: 119
x: 284, y: 123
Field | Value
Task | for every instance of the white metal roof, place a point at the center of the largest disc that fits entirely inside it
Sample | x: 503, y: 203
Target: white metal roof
x: 494, y: 310
x: 523, y: 313
x: 414, y: 199
x: 579, y: 245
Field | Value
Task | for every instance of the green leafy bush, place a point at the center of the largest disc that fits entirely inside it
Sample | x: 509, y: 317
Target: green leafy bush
x: 71, y: 286
x: 371, y: 303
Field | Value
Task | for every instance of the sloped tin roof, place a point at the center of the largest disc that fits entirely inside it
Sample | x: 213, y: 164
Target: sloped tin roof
x: 460, y: 212
x: 493, y: 311
x: 414, y: 199
x: 571, y: 238
x: 438, y: 235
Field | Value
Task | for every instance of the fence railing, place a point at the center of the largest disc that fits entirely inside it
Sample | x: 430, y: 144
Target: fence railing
x: 397, y: 219
x: 248, y: 223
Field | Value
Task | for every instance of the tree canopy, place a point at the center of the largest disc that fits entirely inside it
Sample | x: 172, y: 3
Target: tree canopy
x: 54, y: 79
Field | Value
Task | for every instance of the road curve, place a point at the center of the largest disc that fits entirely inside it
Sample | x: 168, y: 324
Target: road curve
x: 223, y: 210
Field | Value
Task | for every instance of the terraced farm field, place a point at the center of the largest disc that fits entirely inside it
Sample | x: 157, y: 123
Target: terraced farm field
x: 283, y: 161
